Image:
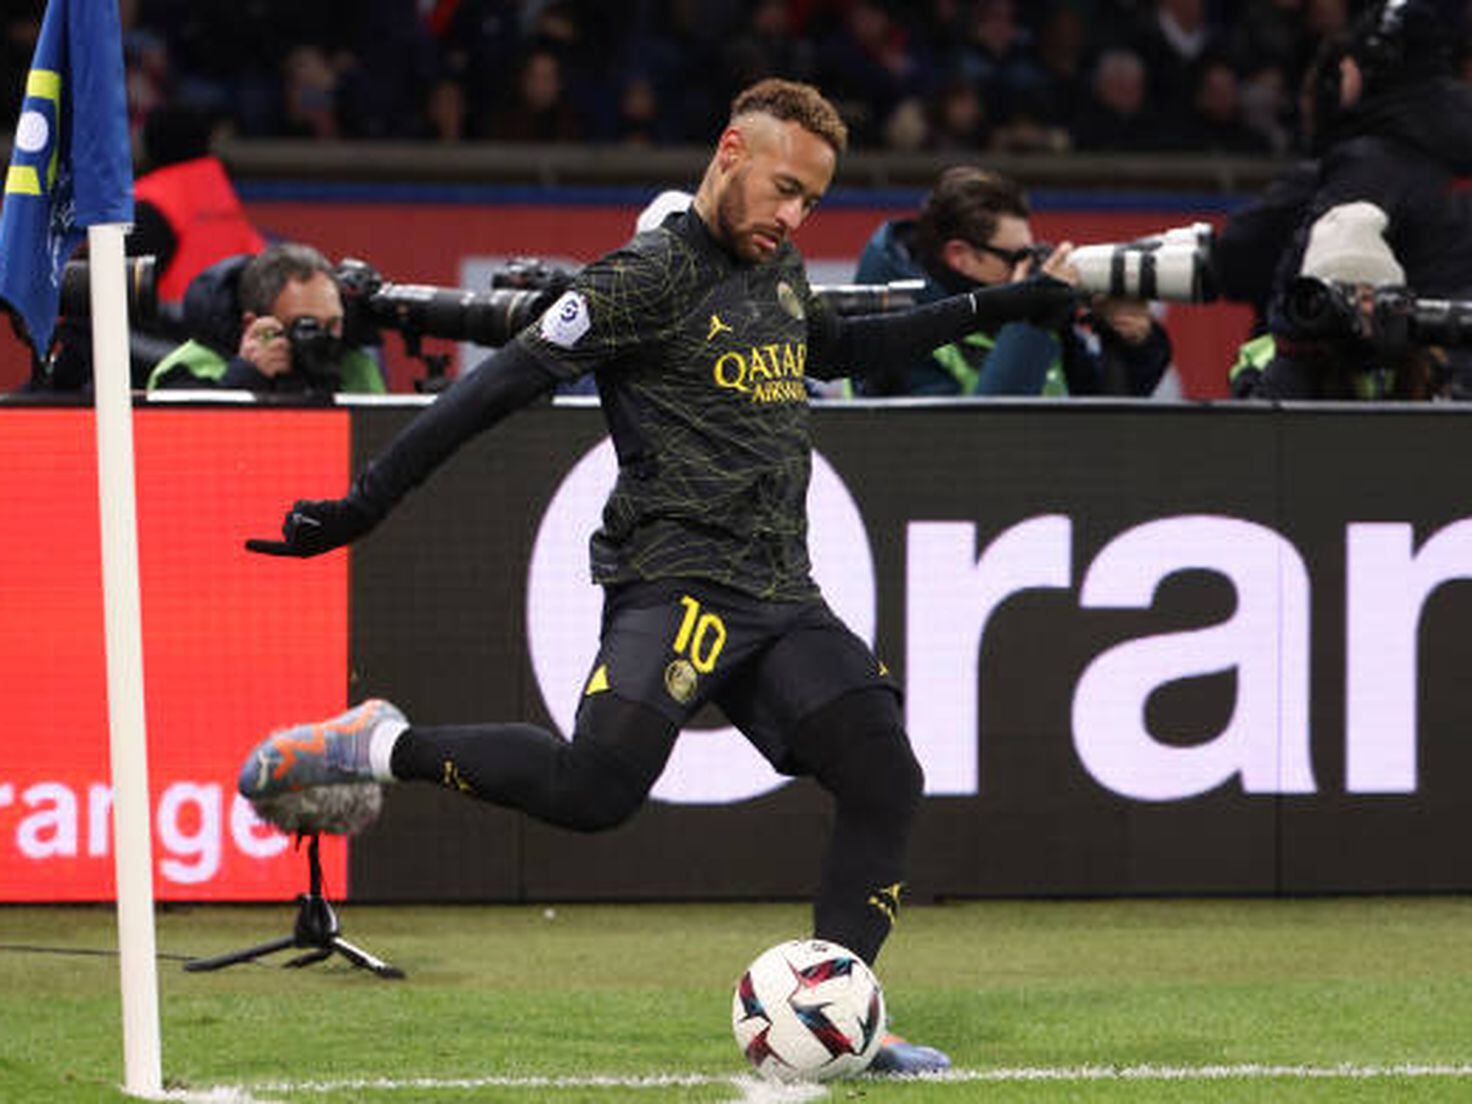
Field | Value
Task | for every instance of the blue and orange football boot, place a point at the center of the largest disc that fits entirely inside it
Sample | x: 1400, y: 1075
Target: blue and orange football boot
x: 329, y: 753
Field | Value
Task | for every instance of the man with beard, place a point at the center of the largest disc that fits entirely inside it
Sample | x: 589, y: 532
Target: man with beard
x: 700, y: 332
x: 1392, y: 131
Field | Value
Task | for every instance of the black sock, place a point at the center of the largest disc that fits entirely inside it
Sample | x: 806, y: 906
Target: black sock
x: 595, y: 781
x: 495, y: 762
x: 861, y: 755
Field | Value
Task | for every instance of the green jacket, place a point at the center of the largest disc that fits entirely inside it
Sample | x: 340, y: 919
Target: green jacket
x: 194, y: 364
x: 960, y: 360
x: 1255, y: 356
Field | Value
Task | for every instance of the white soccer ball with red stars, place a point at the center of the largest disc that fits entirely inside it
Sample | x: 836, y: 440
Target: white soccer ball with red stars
x: 808, y: 1010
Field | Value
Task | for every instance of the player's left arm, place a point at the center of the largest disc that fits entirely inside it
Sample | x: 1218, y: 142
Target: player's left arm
x: 871, y: 344
x: 507, y: 380
x: 611, y: 308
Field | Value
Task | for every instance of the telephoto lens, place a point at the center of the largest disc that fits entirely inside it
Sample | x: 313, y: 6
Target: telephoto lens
x: 142, y: 283
x: 1445, y: 322
x: 869, y: 298
x: 1174, y: 265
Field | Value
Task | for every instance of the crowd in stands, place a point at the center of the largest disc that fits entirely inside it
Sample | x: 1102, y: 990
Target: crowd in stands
x: 941, y: 75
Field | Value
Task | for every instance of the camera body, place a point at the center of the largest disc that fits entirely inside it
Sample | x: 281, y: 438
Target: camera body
x: 1391, y: 319
x: 1324, y: 310
x: 316, y: 352
x: 1038, y: 252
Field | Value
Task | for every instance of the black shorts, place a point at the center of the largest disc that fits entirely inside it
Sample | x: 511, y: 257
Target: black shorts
x: 674, y: 645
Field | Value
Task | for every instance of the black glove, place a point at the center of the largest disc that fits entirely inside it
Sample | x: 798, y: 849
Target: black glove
x: 315, y: 526
x: 1043, y: 300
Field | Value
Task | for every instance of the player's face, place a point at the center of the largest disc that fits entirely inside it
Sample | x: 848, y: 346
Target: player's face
x: 774, y: 174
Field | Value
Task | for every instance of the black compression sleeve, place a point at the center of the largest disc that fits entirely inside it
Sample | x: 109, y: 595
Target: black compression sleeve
x: 505, y: 381
x: 871, y: 344
x: 868, y: 344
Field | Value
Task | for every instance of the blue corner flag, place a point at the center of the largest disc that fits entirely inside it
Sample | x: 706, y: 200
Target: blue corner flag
x: 70, y: 166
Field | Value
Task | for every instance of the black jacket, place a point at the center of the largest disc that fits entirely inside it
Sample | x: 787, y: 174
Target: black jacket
x: 1403, y: 151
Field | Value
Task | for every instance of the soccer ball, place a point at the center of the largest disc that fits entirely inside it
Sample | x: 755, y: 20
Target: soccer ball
x: 807, y: 1010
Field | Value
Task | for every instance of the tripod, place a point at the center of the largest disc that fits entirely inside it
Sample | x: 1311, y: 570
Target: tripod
x: 316, y: 928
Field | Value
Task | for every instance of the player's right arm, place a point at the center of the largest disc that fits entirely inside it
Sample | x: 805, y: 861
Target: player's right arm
x: 871, y: 344
x: 613, y: 306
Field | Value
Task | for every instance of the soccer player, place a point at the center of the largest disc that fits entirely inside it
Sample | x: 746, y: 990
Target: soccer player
x: 700, y: 333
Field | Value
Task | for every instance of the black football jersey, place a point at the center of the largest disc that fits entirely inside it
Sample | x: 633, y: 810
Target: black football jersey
x: 700, y: 361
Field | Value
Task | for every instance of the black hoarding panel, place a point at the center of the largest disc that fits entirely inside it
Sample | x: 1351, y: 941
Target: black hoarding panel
x: 1376, y: 504
x: 1120, y: 629
x: 439, y: 629
x: 770, y: 846
x: 1031, y: 819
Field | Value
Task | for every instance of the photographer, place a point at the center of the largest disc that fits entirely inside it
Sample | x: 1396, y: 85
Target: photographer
x: 1391, y: 129
x: 972, y: 232
x: 268, y: 323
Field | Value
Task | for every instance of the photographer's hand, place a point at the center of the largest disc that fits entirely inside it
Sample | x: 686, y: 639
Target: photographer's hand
x: 1059, y: 265
x: 1129, y: 319
x: 264, y: 345
x: 315, y: 526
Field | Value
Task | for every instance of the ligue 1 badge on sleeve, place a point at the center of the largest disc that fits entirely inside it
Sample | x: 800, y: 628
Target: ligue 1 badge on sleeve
x: 566, y: 320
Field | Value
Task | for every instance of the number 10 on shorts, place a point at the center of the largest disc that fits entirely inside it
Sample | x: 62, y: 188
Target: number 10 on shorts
x: 701, y: 636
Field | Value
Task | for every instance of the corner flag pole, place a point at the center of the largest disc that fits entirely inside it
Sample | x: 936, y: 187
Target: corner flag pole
x: 122, y: 619
x: 71, y: 170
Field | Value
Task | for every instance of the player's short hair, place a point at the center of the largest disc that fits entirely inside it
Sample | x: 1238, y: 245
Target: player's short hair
x: 966, y: 203
x: 793, y: 102
x: 272, y: 269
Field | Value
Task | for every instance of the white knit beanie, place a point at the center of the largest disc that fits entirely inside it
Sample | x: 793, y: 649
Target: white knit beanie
x: 1347, y: 244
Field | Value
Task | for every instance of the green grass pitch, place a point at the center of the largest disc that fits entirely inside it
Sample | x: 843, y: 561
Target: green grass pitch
x: 1360, y: 999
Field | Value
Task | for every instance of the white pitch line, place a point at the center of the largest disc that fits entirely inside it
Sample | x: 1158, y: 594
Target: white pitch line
x: 751, y: 1089
x: 1248, y: 1071
x: 223, y: 1094
x: 756, y: 1091
x: 590, y: 1081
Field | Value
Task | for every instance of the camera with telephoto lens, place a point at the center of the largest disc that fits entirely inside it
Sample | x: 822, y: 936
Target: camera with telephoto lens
x: 1174, y: 265
x: 1391, y: 318
x: 517, y: 295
